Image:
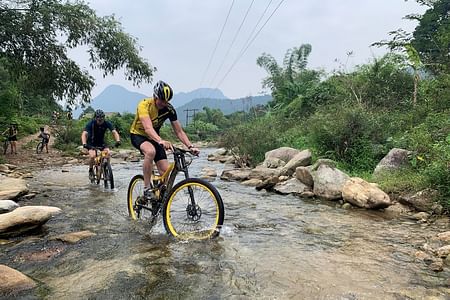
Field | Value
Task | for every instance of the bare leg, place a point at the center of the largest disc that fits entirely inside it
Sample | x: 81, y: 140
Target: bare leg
x: 162, y: 166
x: 91, y: 158
x: 149, y: 155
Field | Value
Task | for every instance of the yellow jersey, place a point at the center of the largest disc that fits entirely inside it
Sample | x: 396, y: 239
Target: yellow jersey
x: 147, y: 107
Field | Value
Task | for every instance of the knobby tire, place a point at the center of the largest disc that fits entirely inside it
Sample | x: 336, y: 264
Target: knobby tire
x: 108, y: 176
x: 39, y: 147
x: 180, y: 218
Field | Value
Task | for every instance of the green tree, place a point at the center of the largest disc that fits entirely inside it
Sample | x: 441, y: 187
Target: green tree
x: 35, y: 37
x: 291, y: 80
x: 431, y: 38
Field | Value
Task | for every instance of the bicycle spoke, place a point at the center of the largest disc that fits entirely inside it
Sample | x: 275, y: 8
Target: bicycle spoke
x: 193, y: 212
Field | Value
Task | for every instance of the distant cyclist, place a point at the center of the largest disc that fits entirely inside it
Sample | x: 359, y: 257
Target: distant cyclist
x: 11, y: 132
x: 144, y: 132
x: 45, y: 136
x: 94, y: 135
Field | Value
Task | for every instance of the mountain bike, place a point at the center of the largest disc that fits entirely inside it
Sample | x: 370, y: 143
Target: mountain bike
x: 102, y: 168
x: 40, y: 146
x: 5, y: 144
x: 191, y: 209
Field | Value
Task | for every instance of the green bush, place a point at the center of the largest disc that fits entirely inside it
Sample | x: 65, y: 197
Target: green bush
x: 253, y: 139
x: 345, y: 134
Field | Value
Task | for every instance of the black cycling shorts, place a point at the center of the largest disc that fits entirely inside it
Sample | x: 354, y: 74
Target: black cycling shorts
x: 137, y: 140
x: 12, y: 138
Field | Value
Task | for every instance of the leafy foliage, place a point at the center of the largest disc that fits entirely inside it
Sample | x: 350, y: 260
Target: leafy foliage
x: 36, y: 35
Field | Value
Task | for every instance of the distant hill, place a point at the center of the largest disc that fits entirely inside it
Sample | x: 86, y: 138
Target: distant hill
x: 181, y: 99
x: 227, y: 106
x: 116, y: 98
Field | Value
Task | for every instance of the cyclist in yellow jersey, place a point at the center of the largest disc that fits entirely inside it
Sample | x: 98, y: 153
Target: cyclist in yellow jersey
x: 144, y: 132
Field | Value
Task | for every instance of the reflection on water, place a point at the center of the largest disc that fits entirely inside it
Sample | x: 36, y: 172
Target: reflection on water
x: 271, y: 247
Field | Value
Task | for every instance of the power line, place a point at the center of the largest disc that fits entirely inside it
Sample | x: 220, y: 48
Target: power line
x: 254, y: 28
x: 232, y: 43
x: 248, y: 45
x: 217, y: 44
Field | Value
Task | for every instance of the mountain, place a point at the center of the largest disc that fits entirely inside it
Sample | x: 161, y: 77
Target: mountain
x: 181, y: 99
x: 227, y: 106
x: 116, y: 98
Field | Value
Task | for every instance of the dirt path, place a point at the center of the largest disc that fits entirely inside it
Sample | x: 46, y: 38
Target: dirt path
x: 27, y: 159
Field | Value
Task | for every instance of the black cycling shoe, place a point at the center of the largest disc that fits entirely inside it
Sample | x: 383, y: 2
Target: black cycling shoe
x: 150, y: 197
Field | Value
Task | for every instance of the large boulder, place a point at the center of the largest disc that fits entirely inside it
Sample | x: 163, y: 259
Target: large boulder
x: 273, y: 163
x: 291, y: 186
x: 421, y: 201
x: 263, y: 173
x: 364, y: 194
x: 25, y: 218
x: 283, y: 153
x: 328, y: 182
x: 13, y: 281
x: 394, y: 160
x: 12, y: 188
x: 301, y: 159
x: 236, y: 174
x: 304, y: 175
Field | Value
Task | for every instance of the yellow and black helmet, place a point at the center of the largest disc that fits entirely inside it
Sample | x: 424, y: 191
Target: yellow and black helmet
x: 163, y: 91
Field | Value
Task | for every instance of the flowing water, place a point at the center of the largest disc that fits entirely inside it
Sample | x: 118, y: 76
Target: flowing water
x: 271, y: 247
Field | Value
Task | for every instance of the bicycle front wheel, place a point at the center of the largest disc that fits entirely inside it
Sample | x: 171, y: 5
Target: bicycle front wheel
x: 108, y: 177
x: 39, y: 147
x: 193, y: 210
x: 5, y: 147
x: 98, y: 174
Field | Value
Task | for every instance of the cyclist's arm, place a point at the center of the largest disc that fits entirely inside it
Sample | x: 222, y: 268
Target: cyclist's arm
x: 84, y: 136
x: 179, y: 132
x: 149, y: 130
x: 115, y: 135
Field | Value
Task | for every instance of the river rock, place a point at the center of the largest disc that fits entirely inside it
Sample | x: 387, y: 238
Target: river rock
x: 252, y: 182
x: 273, y: 163
x: 236, y: 174
x: 363, y: 194
x: 263, y: 173
x: 13, y: 281
x: 209, y: 172
x: 291, y: 186
x: 301, y: 159
x: 12, y: 188
x: 283, y: 153
x: 304, y: 175
x: 328, y: 182
x: 25, y: 218
x: 443, y: 237
x: 7, y: 206
x: 394, y: 160
x: 443, y: 251
x: 74, y: 237
x: 421, y: 201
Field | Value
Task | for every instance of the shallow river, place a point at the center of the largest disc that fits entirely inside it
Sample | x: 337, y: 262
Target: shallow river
x: 272, y: 247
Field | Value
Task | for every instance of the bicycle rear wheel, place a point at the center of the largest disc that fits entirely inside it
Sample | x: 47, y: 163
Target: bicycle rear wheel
x: 98, y: 174
x: 137, y: 208
x: 39, y: 147
x: 108, y: 177
x: 193, y: 210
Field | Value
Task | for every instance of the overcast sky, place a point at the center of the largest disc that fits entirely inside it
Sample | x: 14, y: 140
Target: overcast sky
x: 178, y: 37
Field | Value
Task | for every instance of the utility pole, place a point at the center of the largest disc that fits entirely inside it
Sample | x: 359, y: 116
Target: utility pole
x: 188, y: 115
